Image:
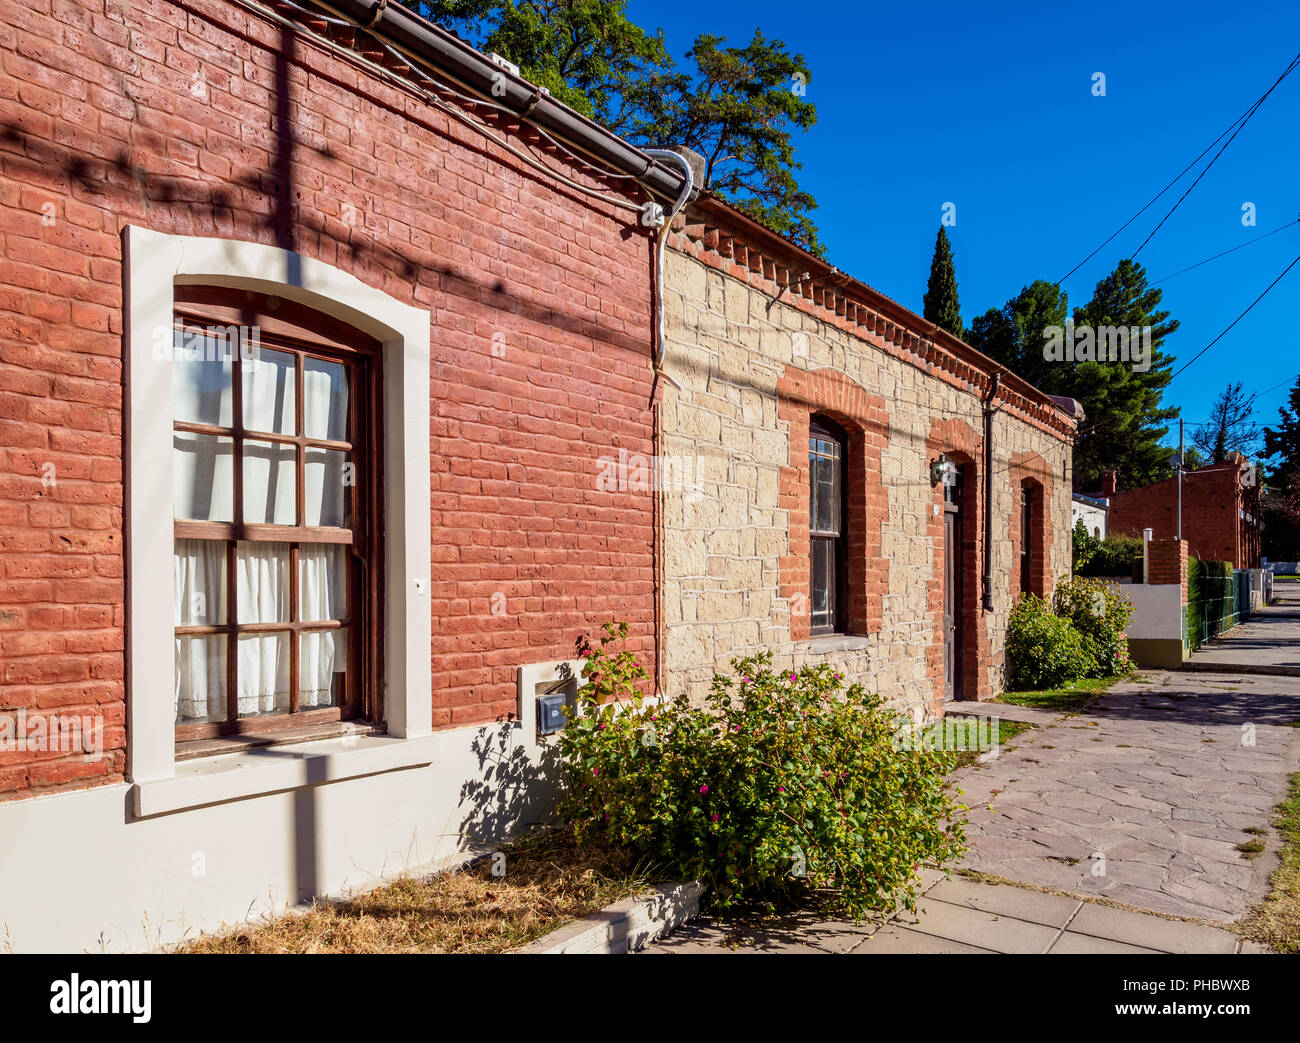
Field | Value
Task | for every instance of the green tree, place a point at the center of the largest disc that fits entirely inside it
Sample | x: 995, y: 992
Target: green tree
x: 941, y: 305
x: 1231, y: 427
x: 1282, y: 443
x: 738, y: 108
x: 1125, y: 422
x: 1014, y: 333
x: 587, y: 53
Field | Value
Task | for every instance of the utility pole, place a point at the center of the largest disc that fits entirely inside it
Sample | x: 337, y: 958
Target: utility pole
x: 1180, y: 478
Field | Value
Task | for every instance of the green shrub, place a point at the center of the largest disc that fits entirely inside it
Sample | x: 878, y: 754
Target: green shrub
x: 1085, y: 545
x: 1115, y: 556
x: 1100, y: 613
x: 781, y: 783
x: 1043, y: 650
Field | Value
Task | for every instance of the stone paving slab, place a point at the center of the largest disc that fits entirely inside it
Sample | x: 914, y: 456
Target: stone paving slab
x: 897, y: 940
x: 1143, y: 798
x: 965, y: 921
x: 1151, y: 932
x: 1019, y: 902
x: 1071, y: 944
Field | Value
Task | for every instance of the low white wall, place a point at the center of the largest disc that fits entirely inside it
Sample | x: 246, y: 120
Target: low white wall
x: 1157, y: 610
x: 78, y: 872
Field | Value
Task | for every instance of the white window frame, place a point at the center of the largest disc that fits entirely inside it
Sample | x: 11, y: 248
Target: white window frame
x: 155, y: 263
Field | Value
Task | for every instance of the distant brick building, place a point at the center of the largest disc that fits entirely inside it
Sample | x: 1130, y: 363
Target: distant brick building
x: 1220, y: 511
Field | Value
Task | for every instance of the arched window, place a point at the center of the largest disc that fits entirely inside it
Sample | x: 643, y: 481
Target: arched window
x: 1028, y: 509
x: 274, y: 514
x: 827, y: 516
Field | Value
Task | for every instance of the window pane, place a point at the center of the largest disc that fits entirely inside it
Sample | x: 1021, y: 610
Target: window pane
x: 824, y: 486
x: 201, y: 386
x: 264, y: 674
x: 823, y: 582
x: 324, y: 661
x: 203, y: 477
x: 328, y: 483
x: 200, y: 679
x: 322, y: 582
x: 263, y: 579
x: 268, y: 393
x: 200, y: 583
x: 270, y: 483
x: 325, y: 400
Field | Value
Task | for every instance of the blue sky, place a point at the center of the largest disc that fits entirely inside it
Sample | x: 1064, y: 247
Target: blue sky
x: 990, y: 107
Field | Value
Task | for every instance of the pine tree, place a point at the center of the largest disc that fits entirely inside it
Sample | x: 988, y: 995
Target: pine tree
x: 1282, y: 443
x: 1125, y: 428
x: 941, y: 304
x: 1231, y: 428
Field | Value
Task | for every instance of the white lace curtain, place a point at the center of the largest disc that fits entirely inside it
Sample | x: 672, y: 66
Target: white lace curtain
x: 262, y: 596
x: 203, y: 479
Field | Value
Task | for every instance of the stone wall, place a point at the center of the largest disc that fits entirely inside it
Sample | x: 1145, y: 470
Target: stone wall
x: 745, y: 373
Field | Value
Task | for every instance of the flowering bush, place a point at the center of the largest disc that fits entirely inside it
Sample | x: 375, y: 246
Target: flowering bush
x: 1043, y: 650
x: 782, y: 782
x: 1080, y: 635
x: 1100, y: 612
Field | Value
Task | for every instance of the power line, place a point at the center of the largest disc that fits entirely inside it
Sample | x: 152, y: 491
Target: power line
x: 1244, y: 116
x: 1237, y: 319
x: 1240, y: 126
x: 1225, y: 253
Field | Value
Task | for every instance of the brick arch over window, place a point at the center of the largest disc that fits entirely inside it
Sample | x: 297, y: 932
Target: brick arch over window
x: 962, y: 444
x: 829, y: 393
x: 1029, y: 471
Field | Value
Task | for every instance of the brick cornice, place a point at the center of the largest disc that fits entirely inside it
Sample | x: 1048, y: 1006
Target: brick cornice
x: 727, y: 240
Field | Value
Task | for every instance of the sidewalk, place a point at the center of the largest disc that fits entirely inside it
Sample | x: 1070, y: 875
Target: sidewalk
x: 1141, y: 801
x: 1267, y: 643
x: 965, y: 916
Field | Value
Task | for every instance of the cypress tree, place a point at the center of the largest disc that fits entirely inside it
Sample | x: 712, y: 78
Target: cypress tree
x: 941, y: 305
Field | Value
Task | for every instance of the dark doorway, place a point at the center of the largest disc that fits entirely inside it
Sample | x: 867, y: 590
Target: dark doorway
x: 952, y: 586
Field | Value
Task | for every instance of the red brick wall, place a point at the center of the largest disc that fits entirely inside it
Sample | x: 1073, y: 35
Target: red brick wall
x: 1167, y: 563
x: 1031, y: 468
x: 963, y: 445
x: 862, y: 415
x: 1212, y: 523
x: 177, y: 117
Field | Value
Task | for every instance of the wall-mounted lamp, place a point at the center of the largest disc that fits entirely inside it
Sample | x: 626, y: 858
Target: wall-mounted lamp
x: 942, y: 471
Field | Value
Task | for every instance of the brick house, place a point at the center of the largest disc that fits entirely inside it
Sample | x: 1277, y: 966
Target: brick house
x: 315, y: 367
x: 902, y: 578
x: 1220, y: 506
x: 307, y: 369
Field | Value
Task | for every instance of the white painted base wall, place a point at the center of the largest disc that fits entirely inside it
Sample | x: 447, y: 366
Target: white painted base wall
x: 1157, y: 610
x: 79, y: 872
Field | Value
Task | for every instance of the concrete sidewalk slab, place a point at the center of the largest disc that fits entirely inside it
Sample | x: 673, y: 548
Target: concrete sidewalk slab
x: 1151, y: 932
x: 1005, y: 900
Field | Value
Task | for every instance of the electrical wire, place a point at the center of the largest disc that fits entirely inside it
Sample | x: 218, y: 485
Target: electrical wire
x: 1244, y: 116
x: 1240, y: 126
x: 463, y: 117
x: 1237, y: 319
x: 1225, y: 253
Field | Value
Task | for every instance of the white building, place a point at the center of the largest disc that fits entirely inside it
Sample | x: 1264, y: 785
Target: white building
x: 1093, y: 513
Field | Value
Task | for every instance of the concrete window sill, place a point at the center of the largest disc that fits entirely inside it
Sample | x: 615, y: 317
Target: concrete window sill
x: 836, y: 643
x: 252, y: 773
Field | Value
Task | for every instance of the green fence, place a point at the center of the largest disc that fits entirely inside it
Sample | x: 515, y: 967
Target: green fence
x: 1212, y: 600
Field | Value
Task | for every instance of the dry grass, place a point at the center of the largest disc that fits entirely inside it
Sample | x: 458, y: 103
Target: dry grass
x: 549, y: 880
x: 1276, y: 920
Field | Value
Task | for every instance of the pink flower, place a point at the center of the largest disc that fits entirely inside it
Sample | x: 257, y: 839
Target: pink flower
x: 595, y: 771
x: 715, y: 816
x: 792, y: 677
x: 704, y: 788
x: 780, y: 789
